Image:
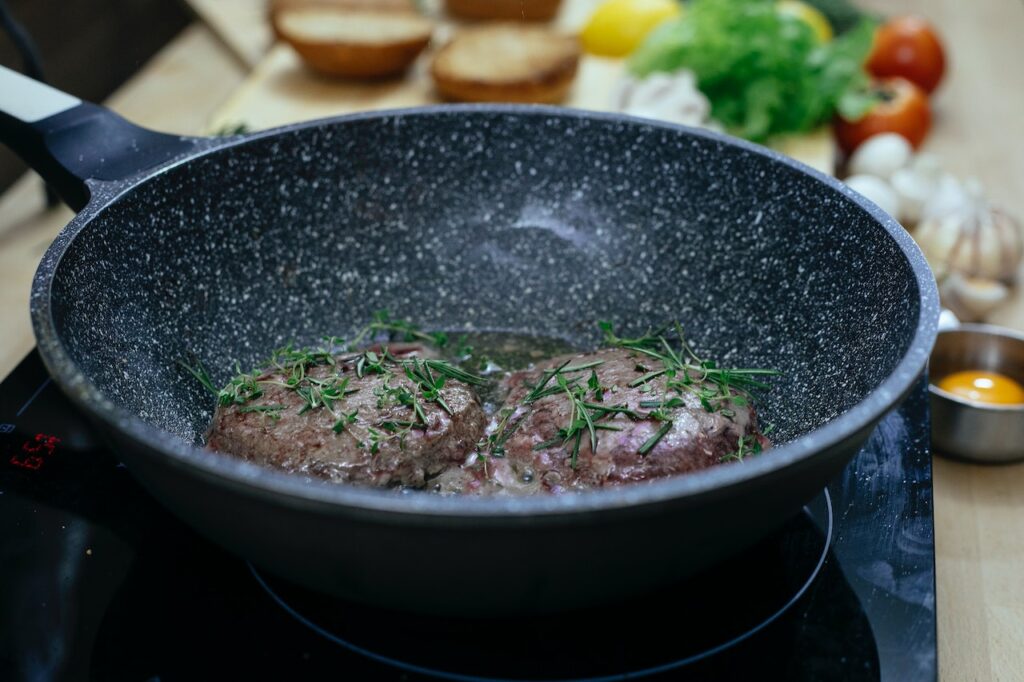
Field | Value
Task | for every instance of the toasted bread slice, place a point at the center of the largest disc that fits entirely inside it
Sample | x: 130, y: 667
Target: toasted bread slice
x: 353, y: 42
x: 506, y: 63
x: 376, y: 5
x: 509, y: 10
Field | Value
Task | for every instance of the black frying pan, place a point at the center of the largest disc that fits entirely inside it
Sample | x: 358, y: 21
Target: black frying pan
x: 531, y: 219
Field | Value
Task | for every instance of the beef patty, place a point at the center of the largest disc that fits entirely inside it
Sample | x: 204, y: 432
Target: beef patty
x: 353, y: 418
x: 644, y: 429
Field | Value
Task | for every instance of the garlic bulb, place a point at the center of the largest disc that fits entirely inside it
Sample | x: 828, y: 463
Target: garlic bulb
x: 881, y: 155
x: 877, y: 190
x: 971, y: 239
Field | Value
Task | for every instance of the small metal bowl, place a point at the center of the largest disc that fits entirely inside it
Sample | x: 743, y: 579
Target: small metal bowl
x: 965, y: 429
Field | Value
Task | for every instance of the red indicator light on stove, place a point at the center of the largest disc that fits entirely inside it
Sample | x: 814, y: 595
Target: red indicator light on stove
x: 34, y: 451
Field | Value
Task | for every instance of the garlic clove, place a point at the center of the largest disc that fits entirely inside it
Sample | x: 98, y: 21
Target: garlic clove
x: 927, y: 165
x: 913, y: 191
x: 881, y: 155
x: 876, y: 190
x: 971, y: 299
x: 922, y: 193
x: 949, y: 195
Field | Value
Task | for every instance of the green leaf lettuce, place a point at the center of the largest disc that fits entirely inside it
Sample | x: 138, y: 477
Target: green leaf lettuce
x: 764, y: 72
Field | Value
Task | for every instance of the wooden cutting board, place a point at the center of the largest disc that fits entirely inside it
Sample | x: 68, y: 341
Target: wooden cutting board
x: 281, y: 90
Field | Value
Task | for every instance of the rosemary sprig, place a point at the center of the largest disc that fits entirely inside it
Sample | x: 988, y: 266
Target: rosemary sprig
x: 271, y: 411
x: 582, y: 419
x: 539, y: 389
x: 685, y: 368
x: 605, y: 410
x: 200, y: 374
x: 495, y: 442
x: 397, y: 330
x: 452, y: 372
x: 671, y: 403
x: 653, y: 440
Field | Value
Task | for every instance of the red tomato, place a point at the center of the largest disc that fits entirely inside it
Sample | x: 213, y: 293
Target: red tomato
x: 907, y: 47
x: 903, y: 109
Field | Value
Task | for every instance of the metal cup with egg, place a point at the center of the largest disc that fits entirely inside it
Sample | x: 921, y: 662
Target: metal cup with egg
x: 977, y: 393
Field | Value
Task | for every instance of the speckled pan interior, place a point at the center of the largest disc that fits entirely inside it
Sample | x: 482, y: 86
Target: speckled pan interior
x: 537, y: 221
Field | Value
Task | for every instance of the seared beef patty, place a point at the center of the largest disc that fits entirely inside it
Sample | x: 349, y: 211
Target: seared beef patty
x: 644, y: 429
x: 381, y: 429
x: 401, y: 417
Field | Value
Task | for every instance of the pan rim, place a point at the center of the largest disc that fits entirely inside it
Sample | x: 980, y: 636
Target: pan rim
x: 293, y: 490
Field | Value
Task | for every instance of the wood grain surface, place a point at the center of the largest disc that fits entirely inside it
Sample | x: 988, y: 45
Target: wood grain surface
x: 979, y: 132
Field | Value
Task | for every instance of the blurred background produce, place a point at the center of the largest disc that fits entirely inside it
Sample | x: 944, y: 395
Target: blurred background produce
x: 848, y: 88
x: 617, y: 27
x: 767, y: 69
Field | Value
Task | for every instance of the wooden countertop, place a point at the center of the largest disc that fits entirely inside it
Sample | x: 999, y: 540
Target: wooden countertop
x: 979, y: 511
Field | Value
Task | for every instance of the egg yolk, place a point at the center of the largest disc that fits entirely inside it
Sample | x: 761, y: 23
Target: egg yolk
x: 984, y: 387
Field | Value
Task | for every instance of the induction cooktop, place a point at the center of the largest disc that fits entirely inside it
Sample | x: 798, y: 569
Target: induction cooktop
x: 98, y: 582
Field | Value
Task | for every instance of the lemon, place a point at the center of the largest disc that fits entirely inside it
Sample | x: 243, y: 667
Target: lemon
x: 807, y: 14
x: 617, y: 27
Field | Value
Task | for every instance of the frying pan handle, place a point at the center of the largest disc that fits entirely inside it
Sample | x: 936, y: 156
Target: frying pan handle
x: 68, y: 141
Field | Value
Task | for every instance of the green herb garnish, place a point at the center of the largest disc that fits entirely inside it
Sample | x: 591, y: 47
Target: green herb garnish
x: 653, y: 440
x: 271, y: 411
x: 345, y: 420
x: 397, y: 330
x: 746, y: 445
x: 764, y: 71
x: 687, y: 371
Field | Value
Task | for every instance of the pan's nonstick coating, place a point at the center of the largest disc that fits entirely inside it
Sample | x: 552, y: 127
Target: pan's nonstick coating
x: 534, y: 220
x: 488, y: 223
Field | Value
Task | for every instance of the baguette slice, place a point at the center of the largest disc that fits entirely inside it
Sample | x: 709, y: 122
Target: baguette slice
x: 506, y: 63
x: 353, y: 42
x: 509, y: 10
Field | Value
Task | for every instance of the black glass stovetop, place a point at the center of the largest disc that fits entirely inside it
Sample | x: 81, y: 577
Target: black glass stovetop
x: 97, y: 582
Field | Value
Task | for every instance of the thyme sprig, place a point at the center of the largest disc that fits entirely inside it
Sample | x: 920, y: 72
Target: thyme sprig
x: 430, y: 386
x: 345, y: 420
x: 745, y: 446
